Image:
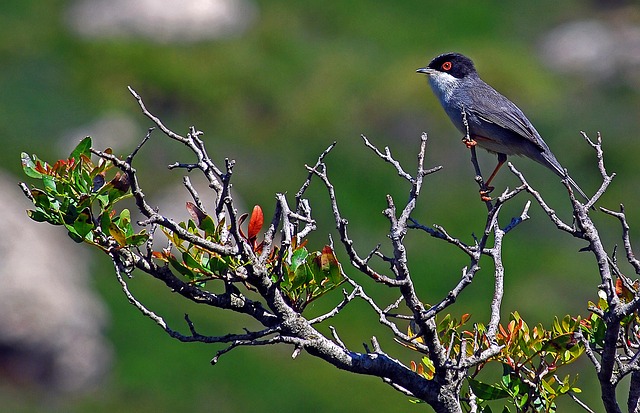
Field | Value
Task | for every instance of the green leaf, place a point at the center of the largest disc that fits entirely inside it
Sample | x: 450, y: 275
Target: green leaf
x: 73, y: 233
x: 430, y: 368
x: 208, y: 226
x: 49, y: 184
x: 191, y: 262
x: 82, y: 149
x: 137, y: 239
x: 83, y: 223
x: 217, y: 265
x: 105, y: 221
x: 29, y: 166
x: 566, y: 385
x: 548, y: 388
x: 181, y: 268
x: 41, y: 199
x: 298, y: 258
x: 301, y: 276
x: 487, y: 391
x: 124, y: 223
x: 115, y: 195
x: 560, y: 343
x: 521, y: 402
x: 39, y: 216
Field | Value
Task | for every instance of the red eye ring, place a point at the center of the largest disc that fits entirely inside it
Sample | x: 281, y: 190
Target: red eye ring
x: 446, y: 66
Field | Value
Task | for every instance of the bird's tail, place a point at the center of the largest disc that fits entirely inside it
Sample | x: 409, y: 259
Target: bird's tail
x: 552, y: 163
x: 576, y: 187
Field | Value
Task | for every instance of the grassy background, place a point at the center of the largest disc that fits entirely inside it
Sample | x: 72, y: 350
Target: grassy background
x: 306, y: 74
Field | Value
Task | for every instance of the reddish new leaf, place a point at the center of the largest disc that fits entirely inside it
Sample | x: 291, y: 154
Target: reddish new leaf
x: 196, y: 213
x: 255, y: 223
x: 120, y: 182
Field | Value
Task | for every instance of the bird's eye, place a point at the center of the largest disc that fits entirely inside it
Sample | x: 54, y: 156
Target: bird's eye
x: 446, y: 66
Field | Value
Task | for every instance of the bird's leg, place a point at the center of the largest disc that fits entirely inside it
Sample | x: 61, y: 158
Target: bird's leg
x: 484, y: 193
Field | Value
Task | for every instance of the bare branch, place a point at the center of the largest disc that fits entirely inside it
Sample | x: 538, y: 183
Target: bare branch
x: 341, y: 224
x: 194, y: 194
x: 173, y: 333
x: 307, y: 182
x: 550, y: 212
x: 386, y: 156
x: 625, y: 236
x: 154, y: 217
x: 606, y: 178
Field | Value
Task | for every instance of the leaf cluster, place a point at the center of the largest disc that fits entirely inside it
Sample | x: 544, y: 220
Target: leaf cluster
x: 75, y: 193
x: 530, y: 358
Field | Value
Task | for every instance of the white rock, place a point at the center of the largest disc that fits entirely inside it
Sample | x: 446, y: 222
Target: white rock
x: 161, y: 21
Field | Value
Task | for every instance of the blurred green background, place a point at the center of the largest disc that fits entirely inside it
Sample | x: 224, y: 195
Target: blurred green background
x: 272, y: 97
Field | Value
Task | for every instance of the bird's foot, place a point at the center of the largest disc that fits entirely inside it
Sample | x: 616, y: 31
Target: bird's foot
x: 484, y: 193
x: 469, y: 142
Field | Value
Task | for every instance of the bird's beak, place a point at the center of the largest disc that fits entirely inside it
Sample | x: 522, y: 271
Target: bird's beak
x: 426, y: 70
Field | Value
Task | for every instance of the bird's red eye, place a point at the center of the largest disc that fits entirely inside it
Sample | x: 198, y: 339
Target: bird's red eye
x: 446, y: 66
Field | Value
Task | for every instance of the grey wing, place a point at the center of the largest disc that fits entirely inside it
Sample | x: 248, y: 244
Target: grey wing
x: 505, y: 114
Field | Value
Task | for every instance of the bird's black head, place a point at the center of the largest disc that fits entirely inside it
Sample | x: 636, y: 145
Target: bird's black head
x: 455, y: 64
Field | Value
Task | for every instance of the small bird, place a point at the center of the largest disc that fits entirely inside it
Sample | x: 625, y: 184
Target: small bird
x: 494, y: 122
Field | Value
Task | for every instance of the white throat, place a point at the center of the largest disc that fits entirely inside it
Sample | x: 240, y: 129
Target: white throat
x: 443, y: 85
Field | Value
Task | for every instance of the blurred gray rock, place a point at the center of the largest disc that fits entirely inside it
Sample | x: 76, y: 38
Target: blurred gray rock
x: 583, y: 46
x: 114, y: 130
x: 597, y: 49
x: 161, y: 21
x: 51, y: 323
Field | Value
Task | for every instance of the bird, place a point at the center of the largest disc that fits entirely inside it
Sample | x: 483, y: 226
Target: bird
x: 486, y: 117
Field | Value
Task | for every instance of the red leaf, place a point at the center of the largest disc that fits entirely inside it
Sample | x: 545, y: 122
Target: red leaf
x: 255, y: 223
x: 623, y: 291
x: 196, y: 213
x: 40, y: 168
x: 121, y: 182
x: 327, y: 258
x: 159, y: 255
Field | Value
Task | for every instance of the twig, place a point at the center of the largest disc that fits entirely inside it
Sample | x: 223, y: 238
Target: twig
x: 348, y: 297
x: 334, y: 333
x: 548, y: 210
x: 194, y: 337
x: 194, y: 194
x: 606, y: 178
x: 387, y: 157
x: 341, y: 224
x: 625, y: 236
x: 153, y: 217
x: 135, y: 151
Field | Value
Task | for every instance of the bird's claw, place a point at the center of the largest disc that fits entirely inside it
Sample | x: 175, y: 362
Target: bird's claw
x: 484, y: 193
x: 468, y: 142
